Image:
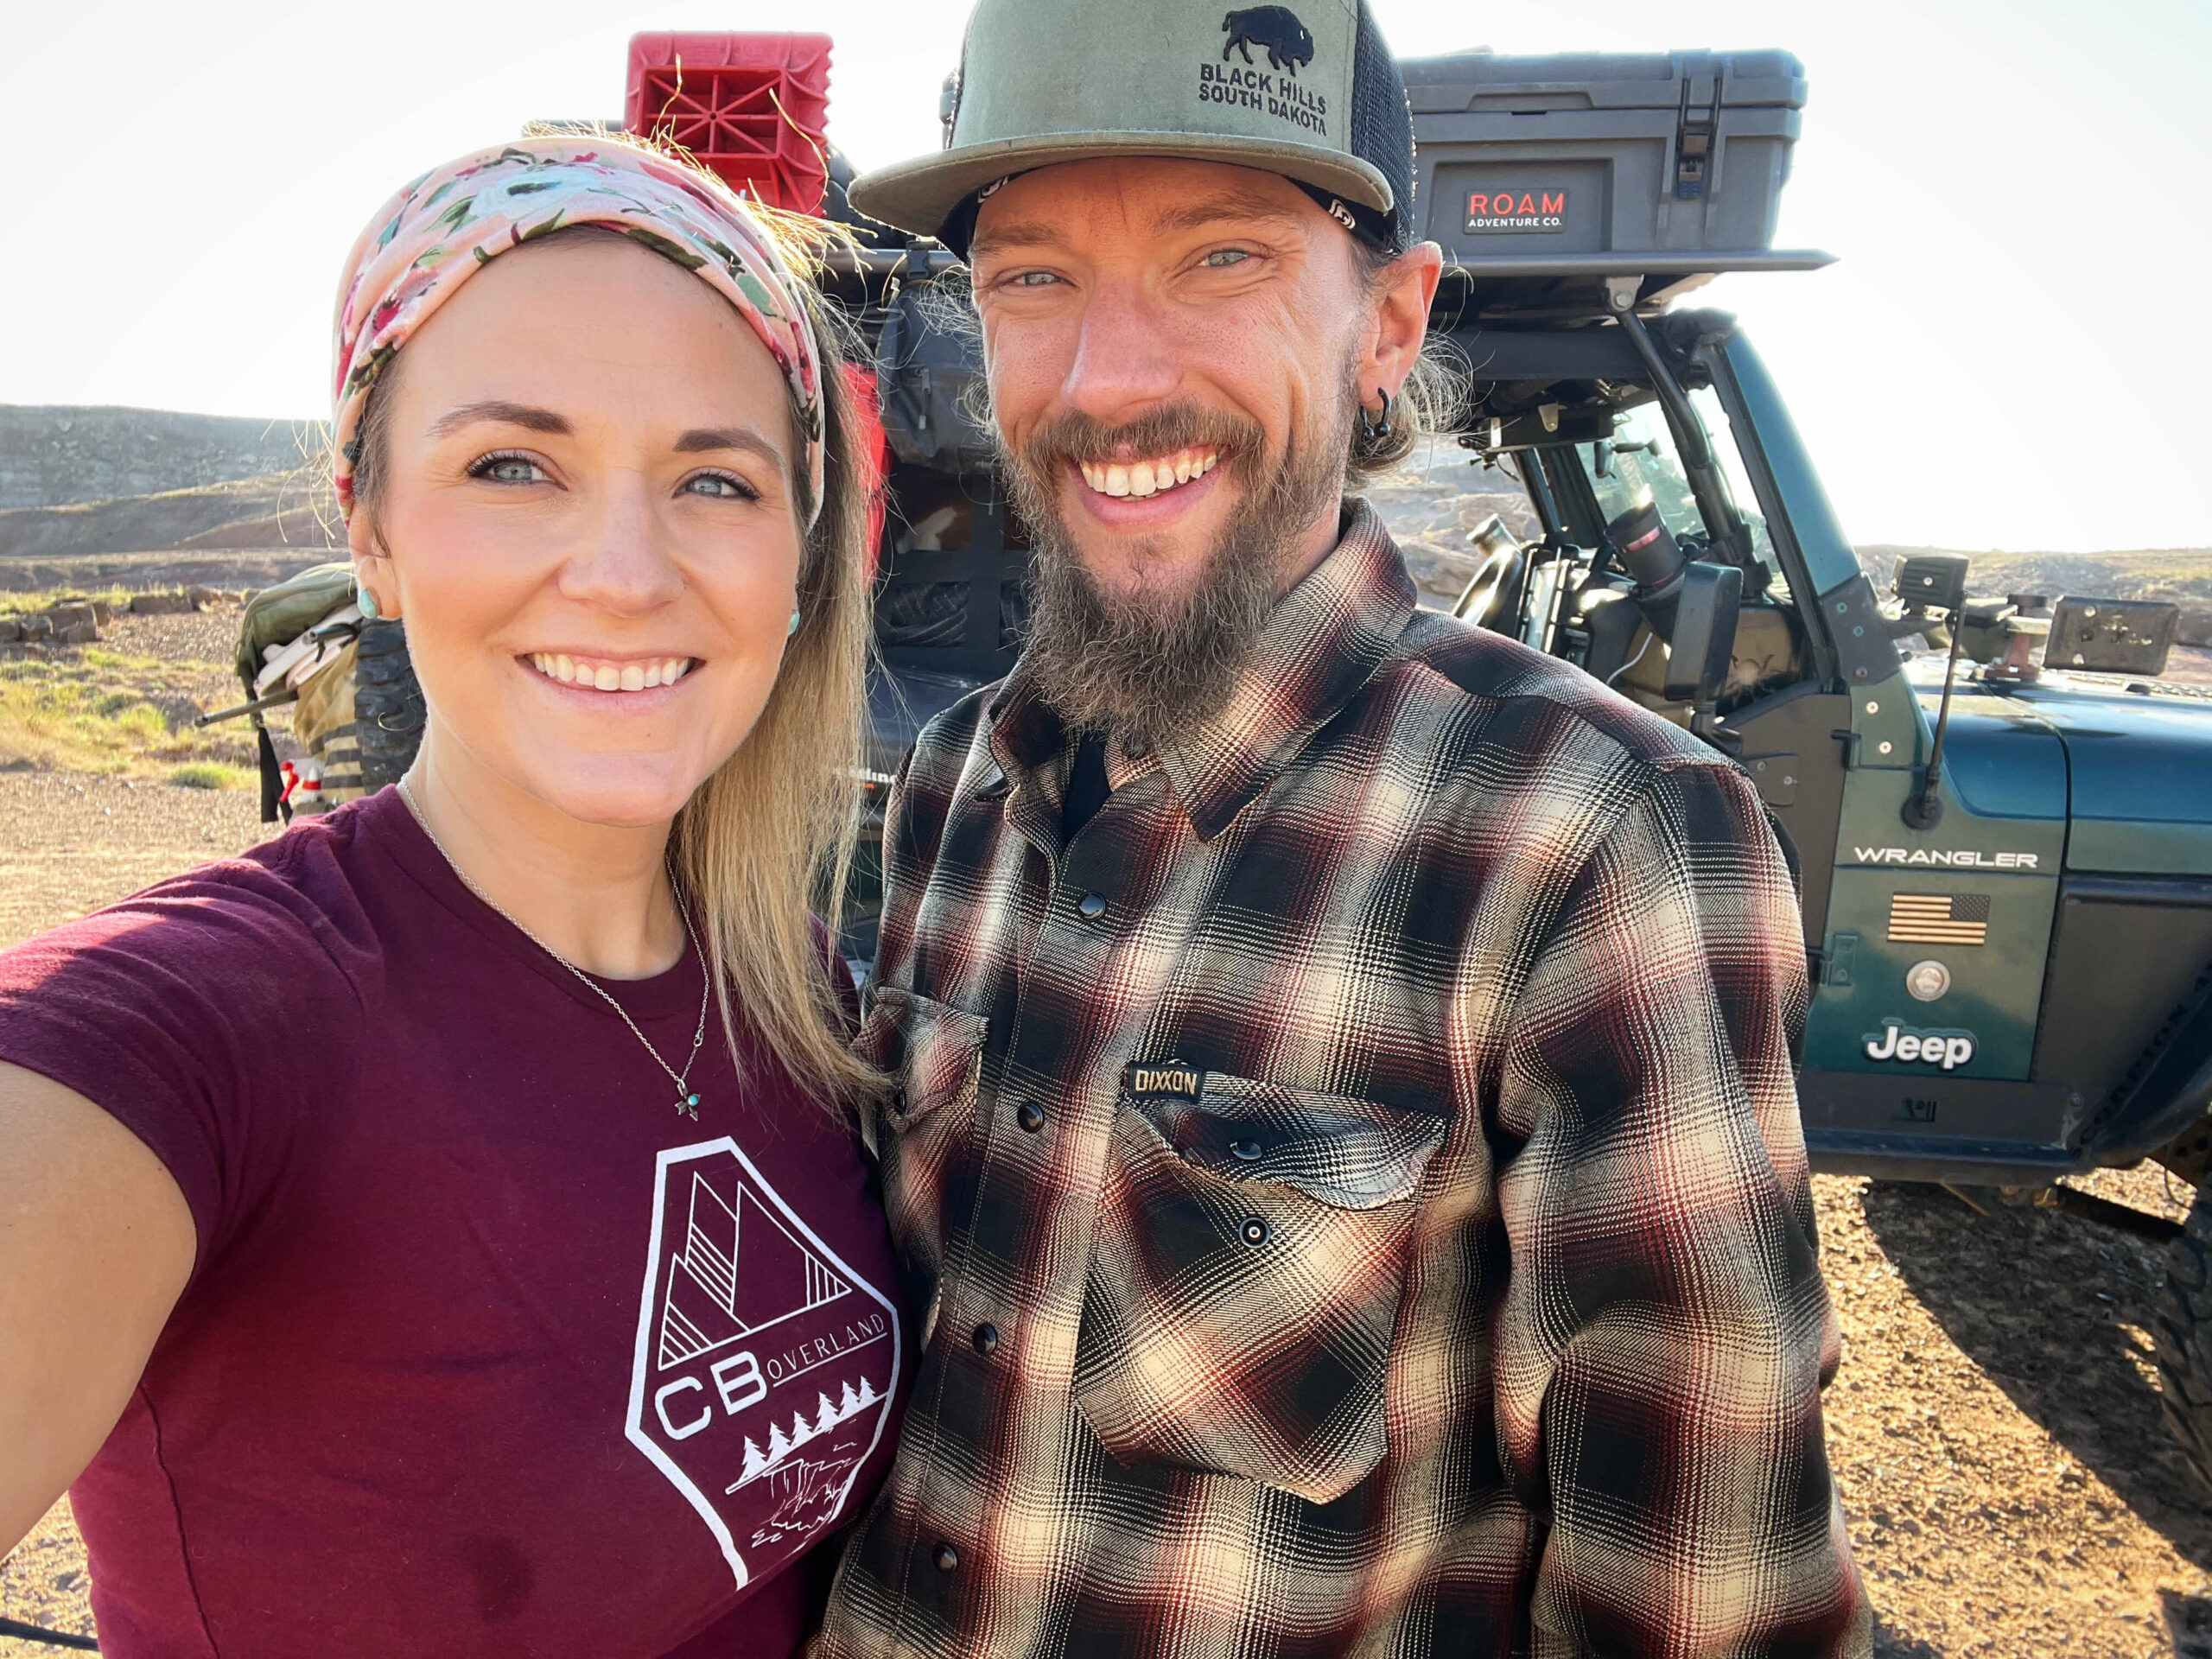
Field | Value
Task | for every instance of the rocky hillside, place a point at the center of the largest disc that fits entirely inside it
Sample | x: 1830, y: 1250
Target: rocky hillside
x: 90, y: 498
x: 2183, y: 575
x: 273, y: 510
x: 1434, y: 507
x: 55, y: 456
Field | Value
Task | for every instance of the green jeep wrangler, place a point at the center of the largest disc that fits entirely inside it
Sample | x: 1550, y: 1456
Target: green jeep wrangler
x: 2005, y: 842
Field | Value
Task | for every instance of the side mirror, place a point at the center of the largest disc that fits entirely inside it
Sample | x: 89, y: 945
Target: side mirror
x: 1705, y: 633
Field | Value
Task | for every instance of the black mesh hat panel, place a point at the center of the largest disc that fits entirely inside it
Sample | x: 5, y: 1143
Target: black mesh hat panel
x: 1382, y: 123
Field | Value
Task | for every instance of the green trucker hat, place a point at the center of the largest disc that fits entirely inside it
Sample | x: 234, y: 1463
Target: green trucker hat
x: 1306, y: 90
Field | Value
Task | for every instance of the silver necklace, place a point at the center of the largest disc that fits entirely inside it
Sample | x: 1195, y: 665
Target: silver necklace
x: 686, y: 1101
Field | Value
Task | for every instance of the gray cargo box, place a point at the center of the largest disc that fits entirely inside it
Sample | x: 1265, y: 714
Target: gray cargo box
x: 1581, y: 163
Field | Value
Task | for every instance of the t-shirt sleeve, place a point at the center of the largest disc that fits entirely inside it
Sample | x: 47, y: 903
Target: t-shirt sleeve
x: 204, y: 1015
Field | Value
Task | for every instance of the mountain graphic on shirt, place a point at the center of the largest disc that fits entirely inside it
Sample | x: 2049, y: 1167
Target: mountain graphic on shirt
x: 739, y: 1270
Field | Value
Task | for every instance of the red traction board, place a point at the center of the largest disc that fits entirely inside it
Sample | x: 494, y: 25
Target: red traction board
x: 753, y: 107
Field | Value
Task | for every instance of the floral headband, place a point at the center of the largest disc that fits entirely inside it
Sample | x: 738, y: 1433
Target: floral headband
x: 447, y: 225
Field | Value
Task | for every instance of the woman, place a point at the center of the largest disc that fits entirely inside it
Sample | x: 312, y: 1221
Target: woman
x: 445, y: 1214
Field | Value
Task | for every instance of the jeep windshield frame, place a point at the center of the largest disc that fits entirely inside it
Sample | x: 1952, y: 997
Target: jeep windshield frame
x: 1721, y: 373
x: 1642, y: 461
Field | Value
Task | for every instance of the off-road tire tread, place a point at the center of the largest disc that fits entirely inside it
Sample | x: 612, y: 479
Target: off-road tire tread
x: 2182, y: 1336
x: 388, y: 707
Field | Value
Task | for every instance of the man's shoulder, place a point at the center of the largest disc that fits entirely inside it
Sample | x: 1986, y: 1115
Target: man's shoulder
x: 948, y: 737
x: 1535, y: 704
x: 951, y: 757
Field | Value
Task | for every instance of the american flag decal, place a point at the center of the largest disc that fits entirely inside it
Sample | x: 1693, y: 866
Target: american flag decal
x: 1939, y: 918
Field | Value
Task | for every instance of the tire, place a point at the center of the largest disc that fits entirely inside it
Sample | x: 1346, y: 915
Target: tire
x: 388, y: 708
x: 2184, y: 1338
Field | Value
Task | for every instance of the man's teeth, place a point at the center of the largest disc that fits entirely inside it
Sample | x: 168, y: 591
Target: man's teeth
x: 1145, y: 478
x: 609, y: 676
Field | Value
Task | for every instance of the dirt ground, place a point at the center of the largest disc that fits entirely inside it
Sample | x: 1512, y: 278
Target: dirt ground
x: 1994, y: 1429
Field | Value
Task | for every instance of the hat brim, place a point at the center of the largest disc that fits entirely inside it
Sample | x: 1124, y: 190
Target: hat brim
x: 919, y: 195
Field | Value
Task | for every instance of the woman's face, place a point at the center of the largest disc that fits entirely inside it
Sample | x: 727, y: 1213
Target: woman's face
x: 589, y: 510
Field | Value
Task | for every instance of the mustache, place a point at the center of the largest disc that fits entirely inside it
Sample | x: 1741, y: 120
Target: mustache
x: 1076, y: 437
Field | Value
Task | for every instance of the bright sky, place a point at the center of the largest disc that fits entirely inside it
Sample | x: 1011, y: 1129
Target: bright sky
x: 2020, y: 190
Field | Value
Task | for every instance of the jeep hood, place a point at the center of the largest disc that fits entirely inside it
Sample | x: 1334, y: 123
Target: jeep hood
x: 2139, y: 774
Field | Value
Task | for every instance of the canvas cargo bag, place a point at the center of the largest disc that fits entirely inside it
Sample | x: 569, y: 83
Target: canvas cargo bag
x: 359, y: 712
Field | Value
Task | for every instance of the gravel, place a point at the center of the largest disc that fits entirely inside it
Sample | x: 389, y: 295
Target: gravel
x: 1995, y: 1428
x: 208, y: 636
x: 73, y: 841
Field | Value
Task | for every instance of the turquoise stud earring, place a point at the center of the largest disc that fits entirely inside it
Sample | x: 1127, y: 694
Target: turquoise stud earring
x: 367, y: 602
x: 796, y: 620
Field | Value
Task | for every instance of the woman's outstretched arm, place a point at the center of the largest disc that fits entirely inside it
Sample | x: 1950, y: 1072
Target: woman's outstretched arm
x: 96, y: 1244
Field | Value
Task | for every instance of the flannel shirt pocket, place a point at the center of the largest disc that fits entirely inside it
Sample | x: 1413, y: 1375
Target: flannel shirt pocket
x: 1245, y: 1281
x: 933, y: 1050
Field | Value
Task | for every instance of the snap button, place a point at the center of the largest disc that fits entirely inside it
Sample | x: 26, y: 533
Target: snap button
x: 1030, y: 1115
x: 1249, y: 1151
x: 898, y: 1100
x: 1092, y: 908
x: 1255, y: 1230
x: 987, y: 1339
x: 946, y: 1558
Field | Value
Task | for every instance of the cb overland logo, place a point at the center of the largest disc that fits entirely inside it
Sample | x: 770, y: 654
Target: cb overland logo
x: 1516, y: 210
x: 1900, y: 1042
x: 765, y: 1365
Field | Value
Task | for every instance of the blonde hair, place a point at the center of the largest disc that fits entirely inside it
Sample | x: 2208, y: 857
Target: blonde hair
x: 770, y: 835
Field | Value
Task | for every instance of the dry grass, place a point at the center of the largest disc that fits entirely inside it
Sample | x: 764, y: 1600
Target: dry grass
x: 125, y: 707
x: 23, y: 604
x: 208, y: 774
x: 101, y: 710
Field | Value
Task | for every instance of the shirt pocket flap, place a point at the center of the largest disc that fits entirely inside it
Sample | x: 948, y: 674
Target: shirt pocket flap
x: 1349, y: 1154
x: 933, y: 1050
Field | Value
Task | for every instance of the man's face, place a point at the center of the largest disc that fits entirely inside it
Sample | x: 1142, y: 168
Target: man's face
x: 1170, y: 346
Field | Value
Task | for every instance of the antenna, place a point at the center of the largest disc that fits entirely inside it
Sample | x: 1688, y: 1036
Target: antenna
x: 1935, y: 582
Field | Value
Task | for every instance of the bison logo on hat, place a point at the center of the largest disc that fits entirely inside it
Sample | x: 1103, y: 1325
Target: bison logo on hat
x: 1289, y: 44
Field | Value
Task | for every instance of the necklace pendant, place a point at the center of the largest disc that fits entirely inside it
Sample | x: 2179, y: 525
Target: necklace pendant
x: 689, y: 1106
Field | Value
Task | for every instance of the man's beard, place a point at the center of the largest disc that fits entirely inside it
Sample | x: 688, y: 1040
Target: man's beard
x: 1148, y: 664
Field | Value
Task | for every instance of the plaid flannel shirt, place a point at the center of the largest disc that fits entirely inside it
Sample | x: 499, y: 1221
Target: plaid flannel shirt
x: 1355, y: 1186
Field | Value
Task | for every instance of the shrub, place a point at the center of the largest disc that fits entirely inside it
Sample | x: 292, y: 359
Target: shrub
x: 207, y: 775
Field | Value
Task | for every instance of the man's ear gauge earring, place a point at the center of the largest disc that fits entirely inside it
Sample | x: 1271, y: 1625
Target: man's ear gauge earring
x: 1376, y: 427
x: 367, y: 602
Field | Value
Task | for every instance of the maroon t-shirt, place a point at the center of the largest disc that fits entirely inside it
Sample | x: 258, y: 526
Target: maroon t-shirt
x: 487, y: 1349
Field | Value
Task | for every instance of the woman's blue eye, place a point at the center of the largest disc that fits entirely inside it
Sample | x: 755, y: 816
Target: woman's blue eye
x: 720, y: 486
x: 508, y: 470
x: 1222, y: 258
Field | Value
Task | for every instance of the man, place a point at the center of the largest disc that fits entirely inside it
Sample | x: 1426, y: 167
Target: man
x: 1344, y: 1144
